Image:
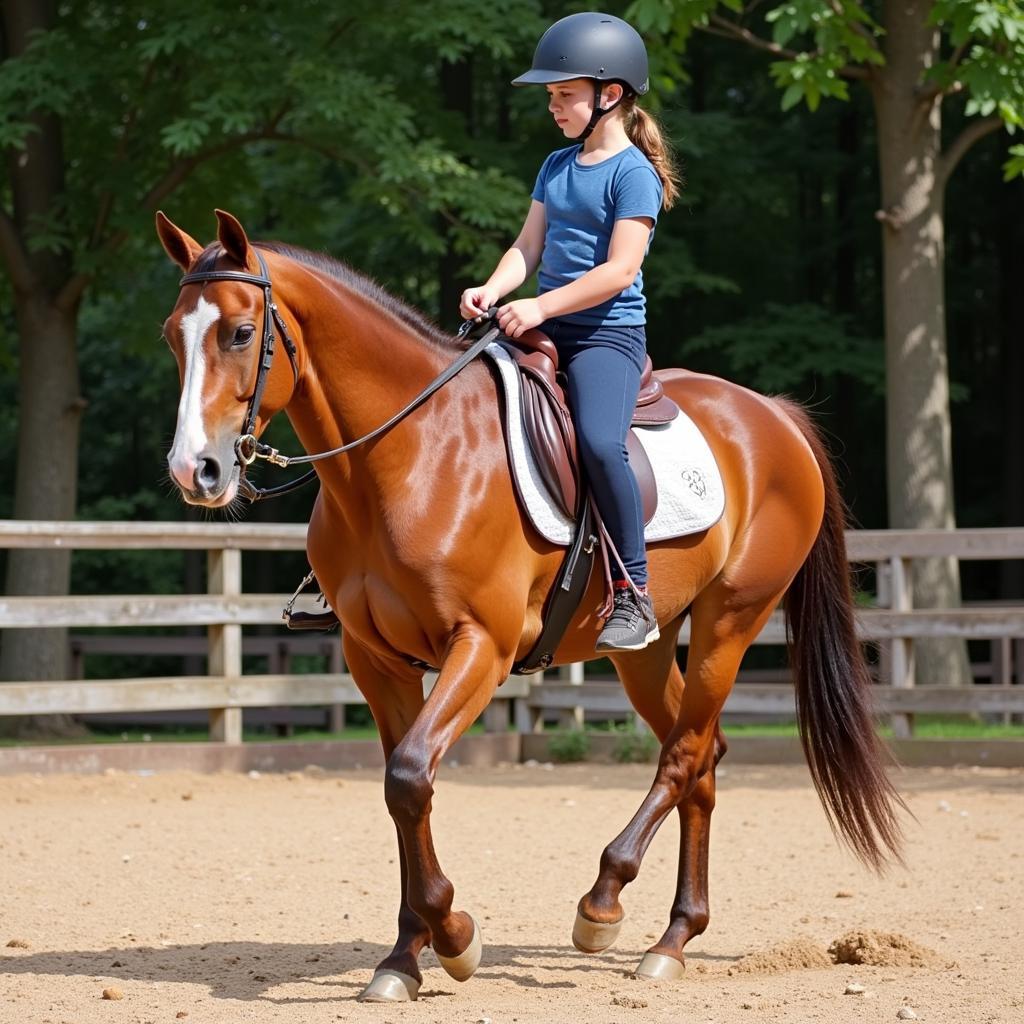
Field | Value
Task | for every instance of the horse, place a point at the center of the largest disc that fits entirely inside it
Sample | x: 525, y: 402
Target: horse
x: 422, y: 552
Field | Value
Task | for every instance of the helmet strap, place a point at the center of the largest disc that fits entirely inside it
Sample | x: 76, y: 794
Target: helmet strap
x: 597, y: 113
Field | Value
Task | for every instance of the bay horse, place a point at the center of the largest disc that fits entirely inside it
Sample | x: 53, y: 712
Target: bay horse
x: 423, y: 553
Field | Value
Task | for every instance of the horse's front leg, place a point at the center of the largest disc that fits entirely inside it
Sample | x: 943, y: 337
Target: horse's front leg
x: 470, y: 674
x: 394, y: 693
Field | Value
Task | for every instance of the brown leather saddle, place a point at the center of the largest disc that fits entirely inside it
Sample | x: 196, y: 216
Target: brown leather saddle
x: 549, y: 427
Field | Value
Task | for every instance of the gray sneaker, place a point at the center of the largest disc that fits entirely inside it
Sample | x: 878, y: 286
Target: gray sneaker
x: 631, y: 625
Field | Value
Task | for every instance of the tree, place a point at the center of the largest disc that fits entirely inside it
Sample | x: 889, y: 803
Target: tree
x: 914, y: 57
x: 108, y: 111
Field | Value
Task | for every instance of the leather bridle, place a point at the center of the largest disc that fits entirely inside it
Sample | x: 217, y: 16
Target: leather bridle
x: 248, y: 448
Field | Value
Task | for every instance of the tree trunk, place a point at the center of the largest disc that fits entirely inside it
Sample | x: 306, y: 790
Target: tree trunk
x: 49, y: 415
x: 49, y: 400
x: 918, y: 449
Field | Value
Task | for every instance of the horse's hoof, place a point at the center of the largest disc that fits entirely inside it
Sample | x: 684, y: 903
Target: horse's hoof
x: 657, y: 967
x: 463, y: 966
x: 389, y: 986
x: 594, y: 936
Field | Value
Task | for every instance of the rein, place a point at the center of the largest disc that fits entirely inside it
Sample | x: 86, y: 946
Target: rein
x: 248, y: 448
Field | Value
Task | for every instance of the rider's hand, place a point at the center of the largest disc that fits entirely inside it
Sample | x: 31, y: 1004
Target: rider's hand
x: 476, y: 301
x: 519, y: 316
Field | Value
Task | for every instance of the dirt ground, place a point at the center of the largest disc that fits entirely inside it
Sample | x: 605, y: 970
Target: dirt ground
x: 221, y: 898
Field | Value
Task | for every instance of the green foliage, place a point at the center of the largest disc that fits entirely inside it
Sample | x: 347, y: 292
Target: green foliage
x: 825, y: 43
x: 782, y: 347
x: 573, y: 745
x: 633, y: 747
x: 988, y: 59
x: 1014, y: 167
x: 150, y: 95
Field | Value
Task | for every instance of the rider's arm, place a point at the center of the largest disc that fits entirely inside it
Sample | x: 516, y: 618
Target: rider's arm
x: 626, y: 250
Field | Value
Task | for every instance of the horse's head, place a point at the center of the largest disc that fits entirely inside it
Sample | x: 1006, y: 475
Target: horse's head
x: 215, y: 332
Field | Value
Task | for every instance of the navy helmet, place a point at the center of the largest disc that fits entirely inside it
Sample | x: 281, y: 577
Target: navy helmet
x: 590, y: 45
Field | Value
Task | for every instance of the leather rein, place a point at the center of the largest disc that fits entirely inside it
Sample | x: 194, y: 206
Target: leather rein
x: 248, y: 448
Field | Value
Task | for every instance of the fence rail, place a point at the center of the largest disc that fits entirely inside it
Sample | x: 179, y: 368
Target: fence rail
x: 226, y: 608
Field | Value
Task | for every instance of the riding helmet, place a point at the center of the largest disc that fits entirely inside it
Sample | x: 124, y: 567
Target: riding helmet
x: 589, y: 45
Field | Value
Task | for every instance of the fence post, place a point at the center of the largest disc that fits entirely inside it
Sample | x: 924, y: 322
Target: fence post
x: 883, y: 599
x: 572, y: 718
x: 224, y: 577
x: 336, y: 665
x: 527, y: 718
x: 498, y: 714
x: 902, y: 647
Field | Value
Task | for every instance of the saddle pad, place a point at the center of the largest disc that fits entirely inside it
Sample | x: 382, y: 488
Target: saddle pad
x: 691, y: 497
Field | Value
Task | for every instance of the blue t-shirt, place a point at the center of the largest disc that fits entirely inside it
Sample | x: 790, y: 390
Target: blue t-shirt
x: 582, y: 203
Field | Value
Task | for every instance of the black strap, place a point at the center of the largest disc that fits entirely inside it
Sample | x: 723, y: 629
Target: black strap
x: 566, y: 594
x: 271, y: 317
x: 251, y: 493
x: 266, y: 452
x: 598, y: 112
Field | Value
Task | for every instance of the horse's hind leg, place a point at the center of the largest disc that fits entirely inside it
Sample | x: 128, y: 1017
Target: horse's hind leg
x: 724, y: 623
x: 691, y: 910
x: 654, y: 685
x: 394, y: 703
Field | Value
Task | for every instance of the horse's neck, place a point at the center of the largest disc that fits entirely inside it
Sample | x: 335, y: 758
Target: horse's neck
x: 362, y: 365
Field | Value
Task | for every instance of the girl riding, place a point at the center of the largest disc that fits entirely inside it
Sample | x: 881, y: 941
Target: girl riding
x: 588, y: 229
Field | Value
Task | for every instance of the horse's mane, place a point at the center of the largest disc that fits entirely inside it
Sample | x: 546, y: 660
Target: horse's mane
x: 365, y: 286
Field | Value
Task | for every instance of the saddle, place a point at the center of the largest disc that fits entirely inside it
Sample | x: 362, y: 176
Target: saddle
x: 550, y: 431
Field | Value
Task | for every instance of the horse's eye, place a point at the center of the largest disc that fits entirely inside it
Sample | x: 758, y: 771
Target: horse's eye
x: 243, y: 335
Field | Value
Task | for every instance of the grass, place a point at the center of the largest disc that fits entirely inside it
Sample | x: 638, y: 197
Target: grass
x: 187, y: 735
x: 940, y: 727
x: 927, y: 727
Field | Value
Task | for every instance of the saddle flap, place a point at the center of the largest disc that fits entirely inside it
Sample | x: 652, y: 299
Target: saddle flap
x: 552, y: 437
x: 550, y: 433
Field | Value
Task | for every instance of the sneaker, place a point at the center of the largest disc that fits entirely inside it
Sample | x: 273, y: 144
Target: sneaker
x: 631, y: 625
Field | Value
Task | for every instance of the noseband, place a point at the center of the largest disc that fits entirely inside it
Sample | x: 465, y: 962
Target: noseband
x: 247, y: 447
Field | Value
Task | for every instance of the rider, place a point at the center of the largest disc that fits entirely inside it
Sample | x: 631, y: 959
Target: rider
x: 589, y: 227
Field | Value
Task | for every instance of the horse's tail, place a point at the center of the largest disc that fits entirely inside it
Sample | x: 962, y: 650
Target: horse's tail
x: 833, y: 687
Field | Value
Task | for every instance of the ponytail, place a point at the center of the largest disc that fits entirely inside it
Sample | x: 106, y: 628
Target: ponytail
x: 645, y: 133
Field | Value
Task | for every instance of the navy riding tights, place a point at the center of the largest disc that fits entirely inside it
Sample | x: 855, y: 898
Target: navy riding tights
x: 603, y: 366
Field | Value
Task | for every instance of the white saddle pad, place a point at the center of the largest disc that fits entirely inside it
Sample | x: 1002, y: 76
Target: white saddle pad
x: 691, y: 497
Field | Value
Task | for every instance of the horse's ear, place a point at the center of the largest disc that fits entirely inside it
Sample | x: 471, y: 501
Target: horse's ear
x: 232, y: 236
x: 180, y: 246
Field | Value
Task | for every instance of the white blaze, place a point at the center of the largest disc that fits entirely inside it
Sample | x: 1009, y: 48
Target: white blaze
x: 190, y: 436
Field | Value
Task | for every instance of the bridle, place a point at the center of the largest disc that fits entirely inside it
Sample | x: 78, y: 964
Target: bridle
x: 246, y: 445
x: 248, y: 448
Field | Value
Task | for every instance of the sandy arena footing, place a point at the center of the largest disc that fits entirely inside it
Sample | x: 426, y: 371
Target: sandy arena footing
x: 227, y: 898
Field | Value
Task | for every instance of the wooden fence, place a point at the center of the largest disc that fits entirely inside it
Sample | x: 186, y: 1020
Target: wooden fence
x: 225, y: 608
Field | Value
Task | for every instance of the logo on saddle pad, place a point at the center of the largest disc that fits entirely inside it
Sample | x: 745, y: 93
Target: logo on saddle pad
x: 694, y: 479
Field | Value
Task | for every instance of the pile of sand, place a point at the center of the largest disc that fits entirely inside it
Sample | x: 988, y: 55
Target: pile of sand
x: 799, y: 954
x: 882, y: 949
x: 876, y: 949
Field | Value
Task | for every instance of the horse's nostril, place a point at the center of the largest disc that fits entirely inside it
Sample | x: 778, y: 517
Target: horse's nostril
x: 207, y: 474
